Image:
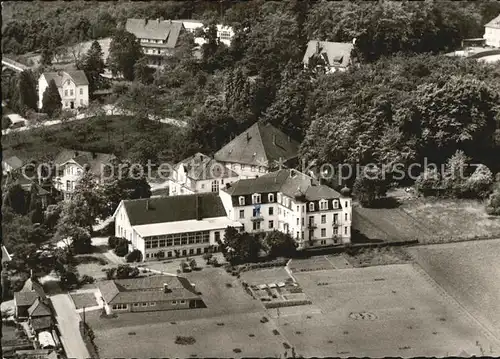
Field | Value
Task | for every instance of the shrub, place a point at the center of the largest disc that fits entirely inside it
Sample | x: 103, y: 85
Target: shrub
x: 125, y: 271
x: 87, y: 279
x: 6, y: 122
x: 112, y: 241
x: 192, y: 264
x: 493, y: 203
x: 110, y: 273
x: 214, y: 262
x: 207, y: 257
x: 134, y: 256
x: 184, y: 267
x: 121, y: 250
x: 184, y: 340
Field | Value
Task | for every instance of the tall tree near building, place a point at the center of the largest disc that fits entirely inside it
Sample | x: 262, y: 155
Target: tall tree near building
x: 142, y: 72
x: 51, y: 100
x: 124, y: 52
x: 25, y: 96
x: 92, y: 64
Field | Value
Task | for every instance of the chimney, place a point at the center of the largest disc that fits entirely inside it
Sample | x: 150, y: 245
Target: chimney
x: 274, y: 140
x: 165, y: 288
x: 199, y: 217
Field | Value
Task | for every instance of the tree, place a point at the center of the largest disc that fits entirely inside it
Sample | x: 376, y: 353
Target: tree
x: 51, y: 101
x: 125, y: 271
x: 93, y: 65
x: 240, y: 247
x: 479, y: 184
x: 192, y: 264
x: 279, y: 244
x: 134, y: 256
x: 370, y: 185
x: 121, y: 247
x: 124, y: 52
x: 16, y: 199
x: 428, y: 183
x: 215, y: 54
x: 454, y: 176
x: 25, y: 95
x: 47, y: 56
x: 143, y: 73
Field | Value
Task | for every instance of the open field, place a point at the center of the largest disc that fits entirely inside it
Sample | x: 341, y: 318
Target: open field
x: 470, y: 272
x: 367, y: 257
x: 84, y: 300
x: 380, y: 311
x: 115, y: 134
x: 427, y: 220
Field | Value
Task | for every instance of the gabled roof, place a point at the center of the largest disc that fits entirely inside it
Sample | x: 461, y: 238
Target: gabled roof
x: 335, y: 54
x: 495, y: 23
x: 289, y: 182
x: 14, y: 162
x: 155, y: 29
x: 201, y: 167
x: 77, y: 76
x: 27, y: 185
x: 146, y: 289
x: 41, y: 323
x: 173, y: 208
x: 259, y: 145
x: 39, y: 309
x: 25, y: 298
x: 93, y: 160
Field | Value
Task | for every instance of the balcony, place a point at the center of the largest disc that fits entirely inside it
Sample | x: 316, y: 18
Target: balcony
x: 336, y: 224
x: 311, y: 225
x: 257, y: 218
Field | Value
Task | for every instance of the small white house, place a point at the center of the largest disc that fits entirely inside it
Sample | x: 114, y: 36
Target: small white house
x: 492, y: 32
x: 73, y: 88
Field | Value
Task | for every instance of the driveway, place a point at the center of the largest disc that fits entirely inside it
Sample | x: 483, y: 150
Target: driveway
x: 68, y: 321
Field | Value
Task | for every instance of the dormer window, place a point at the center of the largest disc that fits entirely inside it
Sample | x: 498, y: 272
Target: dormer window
x: 323, y: 205
x: 279, y: 197
x: 256, y: 198
x: 270, y: 197
x: 311, y: 207
x: 241, y: 200
x: 335, y: 204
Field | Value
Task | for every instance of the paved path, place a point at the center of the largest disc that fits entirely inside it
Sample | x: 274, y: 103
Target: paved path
x: 68, y: 321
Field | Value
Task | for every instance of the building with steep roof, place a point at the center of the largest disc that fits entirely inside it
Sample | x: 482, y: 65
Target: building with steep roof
x: 259, y: 149
x: 144, y: 294
x: 291, y: 202
x: 71, y: 164
x: 73, y: 88
x: 158, y: 38
x: 173, y: 226
x: 492, y: 32
x: 199, y: 174
x: 225, y: 33
x: 328, y: 56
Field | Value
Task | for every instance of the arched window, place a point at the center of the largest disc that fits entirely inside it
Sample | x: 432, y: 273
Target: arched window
x: 311, y: 206
x: 270, y: 197
x: 256, y: 198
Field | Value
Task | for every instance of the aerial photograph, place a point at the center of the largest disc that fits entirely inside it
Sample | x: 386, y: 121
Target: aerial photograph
x: 250, y: 179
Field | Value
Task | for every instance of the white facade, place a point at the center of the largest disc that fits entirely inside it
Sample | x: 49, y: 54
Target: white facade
x: 66, y: 179
x: 72, y: 95
x: 171, y: 239
x: 224, y: 33
x: 492, y: 32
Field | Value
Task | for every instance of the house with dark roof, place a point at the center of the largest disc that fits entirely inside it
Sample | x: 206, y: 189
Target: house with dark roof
x: 492, y: 32
x: 145, y: 294
x: 328, y: 56
x: 158, y: 38
x: 31, y: 300
x: 289, y: 201
x: 71, y: 164
x: 173, y: 226
x: 73, y: 88
x: 199, y: 174
x: 258, y: 150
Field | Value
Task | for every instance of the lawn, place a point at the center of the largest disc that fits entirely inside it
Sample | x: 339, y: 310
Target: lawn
x: 380, y: 311
x: 367, y: 257
x: 470, y: 272
x: 426, y: 220
x: 92, y: 265
x: 82, y: 300
x: 116, y: 135
x: 265, y: 276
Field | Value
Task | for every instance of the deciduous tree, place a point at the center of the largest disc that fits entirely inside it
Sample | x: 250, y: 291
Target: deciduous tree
x: 124, y: 52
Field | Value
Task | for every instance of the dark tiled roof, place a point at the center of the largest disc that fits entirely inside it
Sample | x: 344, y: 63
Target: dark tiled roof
x: 25, y: 298
x: 337, y: 54
x: 494, y: 23
x: 259, y: 144
x: 202, y: 167
x: 173, y: 208
x: 155, y: 29
x: 93, y: 160
x: 146, y: 289
x: 14, y: 162
x: 78, y: 77
x: 41, y: 323
x: 39, y: 309
x: 288, y: 182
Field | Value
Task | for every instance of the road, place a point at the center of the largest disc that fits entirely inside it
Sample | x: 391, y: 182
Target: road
x: 68, y: 321
x: 109, y: 110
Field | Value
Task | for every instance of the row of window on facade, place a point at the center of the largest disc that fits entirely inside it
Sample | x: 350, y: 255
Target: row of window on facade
x: 287, y: 202
x: 180, y: 239
x: 236, y: 166
x: 256, y: 213
x: 153, y: 41
x: 71, y: 170
x: 71, y: 92
x: 144, y: 304
x: 256, y: 226
x: 183, y: 253
x: 68, y: 103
